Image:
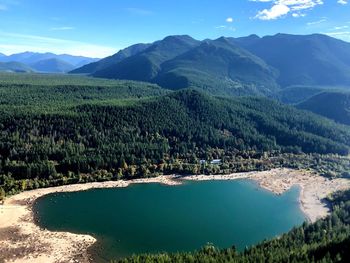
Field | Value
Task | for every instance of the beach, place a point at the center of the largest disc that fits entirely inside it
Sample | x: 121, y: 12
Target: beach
x: 21, y: 240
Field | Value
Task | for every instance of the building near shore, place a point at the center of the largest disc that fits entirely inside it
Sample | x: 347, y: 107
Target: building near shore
x: 216, y: 161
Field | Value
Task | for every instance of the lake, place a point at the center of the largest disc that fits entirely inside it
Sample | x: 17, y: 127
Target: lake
x: 154, y: 218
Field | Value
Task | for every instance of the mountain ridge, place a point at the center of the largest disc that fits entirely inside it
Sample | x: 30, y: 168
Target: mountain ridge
x: 249, y: 65
x: 217, y: 61
x: 116, y: 58
x: 144, y: 66
x: 52, y: 65
x: 314, y: 59
x: 32, y: 58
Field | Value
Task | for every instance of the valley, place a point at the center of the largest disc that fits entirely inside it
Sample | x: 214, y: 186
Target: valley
x: 172, y: 121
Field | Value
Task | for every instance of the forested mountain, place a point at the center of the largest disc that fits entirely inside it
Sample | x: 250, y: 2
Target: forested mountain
x: 52, y: 65
x: 331, y: 104
x: 146, y: 65
x: 232, y: 66
x: 303, y: 59
x: 112, y: 60
x: 54, y: 133
x: 54, y: 93
x: 327, y: 240
x: 219, y: 67
x: 14, y: 67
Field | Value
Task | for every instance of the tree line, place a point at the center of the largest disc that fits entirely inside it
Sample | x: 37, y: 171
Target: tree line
x: 94, y: 141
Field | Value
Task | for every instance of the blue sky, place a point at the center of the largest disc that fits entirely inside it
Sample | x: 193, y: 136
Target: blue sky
x: 99, y: 28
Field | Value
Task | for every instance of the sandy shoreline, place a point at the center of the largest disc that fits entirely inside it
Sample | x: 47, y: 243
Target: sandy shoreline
x: 21, y: 240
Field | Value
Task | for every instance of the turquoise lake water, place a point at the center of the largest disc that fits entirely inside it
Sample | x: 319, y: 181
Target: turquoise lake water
x: 154, y: 218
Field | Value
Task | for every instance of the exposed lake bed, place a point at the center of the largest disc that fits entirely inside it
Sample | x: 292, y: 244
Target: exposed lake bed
x: 19, y: 214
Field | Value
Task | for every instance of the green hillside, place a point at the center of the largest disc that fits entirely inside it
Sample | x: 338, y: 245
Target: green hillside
x: 60, y: 134
x: 233, y: 66
x: 146, y: 65
x: 48, y: 93
x: 331, y: 104
x: 220, y: 68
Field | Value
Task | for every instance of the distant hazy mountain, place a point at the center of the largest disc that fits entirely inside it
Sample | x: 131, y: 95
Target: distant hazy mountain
x: 32, y: 58
x: 2, y: 55
x: 76, y: 61
x: 14, y: 67
x: 112, y: 60
x: 27, y: 57
x: 52, y: 65
x: 303, y: 60
x: 331, y: 104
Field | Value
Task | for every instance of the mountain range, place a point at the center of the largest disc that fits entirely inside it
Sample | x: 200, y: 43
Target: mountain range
x: 250, y: 65
x: 43, y: 62
x: 305, y: 70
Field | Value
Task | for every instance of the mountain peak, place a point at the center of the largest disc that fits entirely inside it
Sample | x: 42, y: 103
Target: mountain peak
x: 178, y: 37
x: 253, y: 36
x: 182, y: 40
x: 222, y: 39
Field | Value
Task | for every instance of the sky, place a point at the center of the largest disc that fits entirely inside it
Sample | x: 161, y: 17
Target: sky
x: 97, y: 28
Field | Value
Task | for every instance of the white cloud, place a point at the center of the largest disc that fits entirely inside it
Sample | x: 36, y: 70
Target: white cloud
x: 343, y: 35
x: 340, y: 27
x: 298, y: 15
x: 62, y: 28
x: 340, y: 32
x: 342, y: 2
x: 316, y: 22
x: 14, y: 43
x: 223, y: 27
x: 280, y: 8
x: 229, y: 20
x: 274, y: 12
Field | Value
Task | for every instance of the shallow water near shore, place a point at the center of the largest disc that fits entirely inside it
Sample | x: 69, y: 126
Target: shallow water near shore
x: 148, y: 218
